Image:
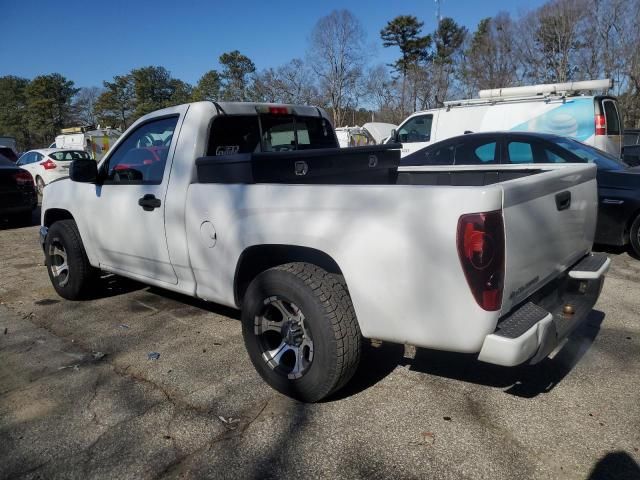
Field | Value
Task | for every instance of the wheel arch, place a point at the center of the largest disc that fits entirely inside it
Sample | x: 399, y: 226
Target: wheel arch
x: 258, y: 258
x: 53, y: 215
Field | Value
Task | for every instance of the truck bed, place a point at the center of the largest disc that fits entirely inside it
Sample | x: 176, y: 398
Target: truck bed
x: 369, y: 165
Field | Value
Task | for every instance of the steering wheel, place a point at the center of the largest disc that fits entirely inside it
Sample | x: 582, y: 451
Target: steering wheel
x: 146, y: 141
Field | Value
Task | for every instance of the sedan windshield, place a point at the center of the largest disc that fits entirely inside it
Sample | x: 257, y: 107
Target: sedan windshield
x: 603, y: 160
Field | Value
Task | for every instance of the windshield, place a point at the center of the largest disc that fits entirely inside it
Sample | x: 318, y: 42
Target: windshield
x: 68, y: 155
x: 603, y: 160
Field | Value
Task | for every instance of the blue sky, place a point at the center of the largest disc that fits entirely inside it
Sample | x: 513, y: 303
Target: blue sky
x: 92, y: 41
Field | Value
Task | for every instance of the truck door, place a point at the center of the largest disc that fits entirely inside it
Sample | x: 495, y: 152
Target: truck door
x: 415, y: 133
x: 129, y: 206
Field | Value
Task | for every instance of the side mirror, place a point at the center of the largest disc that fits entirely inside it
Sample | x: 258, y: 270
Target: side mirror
x: 84, y: 170
x: 394, y: 136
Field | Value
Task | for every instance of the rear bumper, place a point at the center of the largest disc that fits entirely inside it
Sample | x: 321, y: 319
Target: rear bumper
x: 532, y: 331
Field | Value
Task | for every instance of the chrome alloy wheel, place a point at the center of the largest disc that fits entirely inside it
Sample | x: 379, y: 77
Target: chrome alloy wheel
x: 58, y: 262
x: 285, y: 342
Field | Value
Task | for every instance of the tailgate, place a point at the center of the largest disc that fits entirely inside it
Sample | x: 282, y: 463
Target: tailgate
x: 550, y: 222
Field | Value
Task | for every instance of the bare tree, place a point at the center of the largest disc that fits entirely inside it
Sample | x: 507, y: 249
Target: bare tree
x: 84, y: 105
x: 488, y: 60
x: 290, y: 83
x: 551, y: 40
x: 383, y: 93
x: 336, y: 55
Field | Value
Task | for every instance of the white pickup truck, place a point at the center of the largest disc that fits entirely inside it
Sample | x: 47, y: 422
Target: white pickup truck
x: 253, y: 206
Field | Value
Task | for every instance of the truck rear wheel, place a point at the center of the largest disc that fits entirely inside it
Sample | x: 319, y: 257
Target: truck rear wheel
x: 300, y: 330
x: 69, y: 270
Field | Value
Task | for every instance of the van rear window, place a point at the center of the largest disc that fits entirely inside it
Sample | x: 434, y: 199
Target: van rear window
x: 269, y: 133
x: 611, y: 116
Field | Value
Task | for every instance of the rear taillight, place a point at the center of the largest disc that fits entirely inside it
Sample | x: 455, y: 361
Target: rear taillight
x: 49, y: 164
x: 23, y: 178
x: 601, y: 124
x: 481, y: 251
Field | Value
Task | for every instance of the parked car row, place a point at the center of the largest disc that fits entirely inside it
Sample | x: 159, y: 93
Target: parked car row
x: 49, y: 164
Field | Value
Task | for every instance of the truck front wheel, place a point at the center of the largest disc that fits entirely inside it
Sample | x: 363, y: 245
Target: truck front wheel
x: 69, y: 270
x: 300, y: 330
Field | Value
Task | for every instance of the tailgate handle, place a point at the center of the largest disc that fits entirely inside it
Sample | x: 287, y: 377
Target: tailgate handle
x: 563, y: 200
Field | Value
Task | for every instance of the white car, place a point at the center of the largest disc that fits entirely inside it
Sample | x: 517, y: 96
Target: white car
x: 49, y: 164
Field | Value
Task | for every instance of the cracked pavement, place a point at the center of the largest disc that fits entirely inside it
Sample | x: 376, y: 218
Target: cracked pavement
x: 201, y: 411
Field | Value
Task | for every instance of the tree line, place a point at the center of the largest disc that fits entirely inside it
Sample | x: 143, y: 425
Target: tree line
x: 563, y: 40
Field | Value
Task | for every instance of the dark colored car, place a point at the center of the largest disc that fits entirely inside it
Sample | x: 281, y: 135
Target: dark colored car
x: 631, y: 148
x: 17, y: 191
x: 9, y: 154
x: 618, y: 183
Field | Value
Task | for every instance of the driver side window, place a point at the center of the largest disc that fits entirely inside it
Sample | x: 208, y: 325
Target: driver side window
x: 417, y: 129
x: 141, y: 158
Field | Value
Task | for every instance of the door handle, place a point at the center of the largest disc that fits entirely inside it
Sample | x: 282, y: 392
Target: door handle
x: 149, y: 202
x: 563, y: 200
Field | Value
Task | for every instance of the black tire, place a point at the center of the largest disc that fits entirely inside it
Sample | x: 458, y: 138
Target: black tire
x: 634, y: 237
x: 328, y: 319
x: 63, y: 236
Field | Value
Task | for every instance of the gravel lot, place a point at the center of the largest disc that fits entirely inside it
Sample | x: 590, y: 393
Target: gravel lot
x: 80, y: 398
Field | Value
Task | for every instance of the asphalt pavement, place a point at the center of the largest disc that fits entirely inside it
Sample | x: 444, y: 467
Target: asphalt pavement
x: 143, y: 383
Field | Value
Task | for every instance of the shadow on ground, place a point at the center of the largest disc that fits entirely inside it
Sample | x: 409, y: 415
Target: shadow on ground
x: 615, y: 466
x: 380, y: 358
x: 525, y: 381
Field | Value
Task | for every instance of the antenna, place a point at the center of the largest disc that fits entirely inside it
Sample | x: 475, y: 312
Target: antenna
x: 438, y: 15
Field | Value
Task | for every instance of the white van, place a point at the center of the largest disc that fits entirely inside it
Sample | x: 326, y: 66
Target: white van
x: 372, y: 133
x: 551, y: 108
x: 95, y: 142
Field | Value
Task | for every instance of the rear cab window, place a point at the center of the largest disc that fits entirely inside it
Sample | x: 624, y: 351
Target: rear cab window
x: 235, y: 134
